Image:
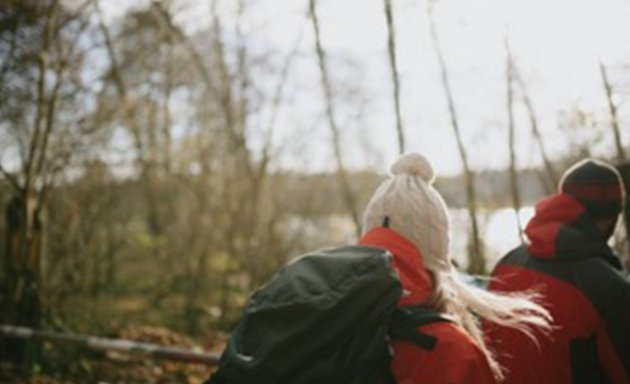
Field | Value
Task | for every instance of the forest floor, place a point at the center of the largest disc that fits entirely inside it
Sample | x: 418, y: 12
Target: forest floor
x: 68, y: 365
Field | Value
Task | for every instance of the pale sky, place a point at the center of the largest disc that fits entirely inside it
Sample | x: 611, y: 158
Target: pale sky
x: 557, y: 44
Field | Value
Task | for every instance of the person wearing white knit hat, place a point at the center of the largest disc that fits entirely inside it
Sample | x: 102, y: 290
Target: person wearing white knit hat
x: 407, y: 216
x: 414, y: 209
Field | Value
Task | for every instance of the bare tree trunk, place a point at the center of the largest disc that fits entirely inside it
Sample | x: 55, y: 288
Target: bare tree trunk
x: 621, y: 155
x: 24, y: 213
x: 516, y: 197
x: 262, y: 171
x: 476, y: 264
x: 232, y: 105
x: 550, y: 182
x: 277, y: 99
x: 614, y: 119
x: 23, y: 262
x: 197, y: 58
x: 391, y: 44
x: 22, y: 288
x: 348, y: 194
x: 166, y: 110
x: 624, y: 170
x: 240, y: 196
x: 198, y: 271
x: 145, y: 153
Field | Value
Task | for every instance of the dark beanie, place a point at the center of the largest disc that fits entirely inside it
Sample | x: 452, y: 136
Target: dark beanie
x: 595, y: 184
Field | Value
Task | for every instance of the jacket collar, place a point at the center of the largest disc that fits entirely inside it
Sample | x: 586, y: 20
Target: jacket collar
x: 562, y: 229
x: 415, y: 278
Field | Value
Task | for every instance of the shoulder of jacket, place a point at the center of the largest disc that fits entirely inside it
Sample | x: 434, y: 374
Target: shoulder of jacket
x: 519, y: 252
x: 456, y: 347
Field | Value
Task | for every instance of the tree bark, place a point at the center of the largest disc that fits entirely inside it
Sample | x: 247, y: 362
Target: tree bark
x: 21, y: 296
x: 476, y: 263
x: 623, y: 165
x: 516, y: 197
x: 22, y: 302
x: 391, y: 45
x: 614, y: 119
x: 550, y: 182
x: 342, y: 174
x: 624, y: 170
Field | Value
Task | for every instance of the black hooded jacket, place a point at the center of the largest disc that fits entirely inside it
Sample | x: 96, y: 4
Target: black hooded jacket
x: 582, y: 284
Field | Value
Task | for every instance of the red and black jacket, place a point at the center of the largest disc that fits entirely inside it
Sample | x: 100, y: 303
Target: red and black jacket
x: 456, y: 358
x: 581, y: 283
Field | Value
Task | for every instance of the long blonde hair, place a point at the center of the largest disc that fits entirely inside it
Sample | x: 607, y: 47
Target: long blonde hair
x: 466, y: 303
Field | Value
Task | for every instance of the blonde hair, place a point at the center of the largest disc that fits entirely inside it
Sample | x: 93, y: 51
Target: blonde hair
x: 464, y: 303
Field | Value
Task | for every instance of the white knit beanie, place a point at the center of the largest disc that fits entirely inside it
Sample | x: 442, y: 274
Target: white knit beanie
x: 413, y: 209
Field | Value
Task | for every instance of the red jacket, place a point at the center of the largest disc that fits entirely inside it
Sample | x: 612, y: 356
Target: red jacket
x: 456, y: 359
x: 579, y: 279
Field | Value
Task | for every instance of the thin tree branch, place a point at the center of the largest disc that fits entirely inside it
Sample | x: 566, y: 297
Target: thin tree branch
x: 50, y: 123
x: 51, y: 107
x: 552, y: 177
x: 52, y: 100
x: 509, y: 80
x: 115, y: 68
x: 41, y: 90
x: 477, y: 260
x: 330, y: 114
x: 391, y: 44
x: 614, y: 119
x: 11, y: 179
x: 121, y: 88
x: 8, y: 62
x: 277, y: 99
x: 198, y: 61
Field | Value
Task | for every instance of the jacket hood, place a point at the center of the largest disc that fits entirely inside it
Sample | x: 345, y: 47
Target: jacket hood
x: 408, y: 262
x: 562, y: 229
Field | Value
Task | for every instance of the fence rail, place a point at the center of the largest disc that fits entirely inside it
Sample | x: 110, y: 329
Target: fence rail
x: 107, y: 344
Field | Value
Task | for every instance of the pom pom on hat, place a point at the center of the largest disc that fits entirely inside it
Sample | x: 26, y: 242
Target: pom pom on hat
x: 414, y: 164
x: 414, y: 209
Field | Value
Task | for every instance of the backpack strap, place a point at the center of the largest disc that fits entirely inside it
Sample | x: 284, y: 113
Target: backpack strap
x: 403, y: 326
x: 405, y: 321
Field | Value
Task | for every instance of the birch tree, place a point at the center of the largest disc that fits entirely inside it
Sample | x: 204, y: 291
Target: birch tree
x: 391, y: 49
x: 614, y: 119
x: 346, y: 189
x: 550, y: 179
x: 44, y: 129
x: 476, y: 262
x: 514, y: 188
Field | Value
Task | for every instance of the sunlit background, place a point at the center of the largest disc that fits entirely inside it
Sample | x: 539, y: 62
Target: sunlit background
x: 557, y: 46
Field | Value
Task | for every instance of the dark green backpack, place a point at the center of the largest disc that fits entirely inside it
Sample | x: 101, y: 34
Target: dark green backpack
x: 327, y: 317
